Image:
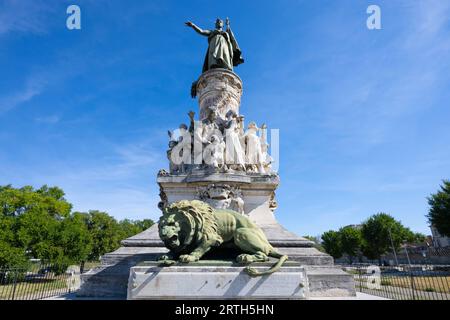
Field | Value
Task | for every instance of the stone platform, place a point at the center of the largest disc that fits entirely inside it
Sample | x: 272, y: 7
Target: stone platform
x: 110, y: 280
x: 215, y: 280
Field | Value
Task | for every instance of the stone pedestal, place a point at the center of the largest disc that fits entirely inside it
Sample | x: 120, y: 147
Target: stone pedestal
x: 111, y: 278
x: 256, y: 192
x: 215, y: 280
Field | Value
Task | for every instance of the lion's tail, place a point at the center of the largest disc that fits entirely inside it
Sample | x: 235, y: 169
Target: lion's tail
x: 281, y: 259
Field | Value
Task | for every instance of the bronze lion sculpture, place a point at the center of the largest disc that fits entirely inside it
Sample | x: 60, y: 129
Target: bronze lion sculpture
x: 189, y: 229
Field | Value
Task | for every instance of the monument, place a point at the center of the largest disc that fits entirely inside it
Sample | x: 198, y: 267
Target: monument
x: 218, y: 237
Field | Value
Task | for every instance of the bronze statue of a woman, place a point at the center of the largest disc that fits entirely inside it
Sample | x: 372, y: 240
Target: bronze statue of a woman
x: 223, y: 50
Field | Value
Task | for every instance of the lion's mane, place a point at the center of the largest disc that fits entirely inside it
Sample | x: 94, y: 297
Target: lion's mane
x: 202, y: 222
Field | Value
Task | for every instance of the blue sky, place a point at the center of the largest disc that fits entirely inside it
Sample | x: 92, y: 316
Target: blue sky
x: 363, y: 114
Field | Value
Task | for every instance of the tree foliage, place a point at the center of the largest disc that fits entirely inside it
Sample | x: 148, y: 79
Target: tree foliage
x: 372, y: 239
x: 16, y: 202
x: 11, y: 256
x: 439, y: 213
x: 377, y: 232
x: 419, y: 237
x: 351, y: 241
x: 31, y: 221
x: 38, y: 223
x: 105, y: 233
x: 331, y: 241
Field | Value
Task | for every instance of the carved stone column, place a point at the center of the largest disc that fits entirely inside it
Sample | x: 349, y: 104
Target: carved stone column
x: 218, y: 89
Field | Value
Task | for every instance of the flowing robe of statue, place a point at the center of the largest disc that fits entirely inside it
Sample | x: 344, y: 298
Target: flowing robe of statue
x: 234, y: 153
x: 218, y: 152
x: 223, y: 51
x: 254, y: 153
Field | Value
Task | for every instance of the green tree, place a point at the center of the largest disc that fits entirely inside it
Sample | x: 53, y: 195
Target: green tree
x: 331, y: 242
x: 104, y: 230
x: 377, y: 232
x: 439, y: 213
x: 11, y: 256
x: 33, y: 216
x: 412, y: 237
x: 36, y: 223
x: 419, y: 237
x: 15, y: 202
x: 128, y: 228
x: 351, y: 241
x: 144, y: 224
x: 37, y: 233
x: 75, y: 239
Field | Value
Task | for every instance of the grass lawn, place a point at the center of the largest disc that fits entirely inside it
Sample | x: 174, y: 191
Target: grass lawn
x: 428, y: 284
x: 91, y: 265
x: 33, y: 290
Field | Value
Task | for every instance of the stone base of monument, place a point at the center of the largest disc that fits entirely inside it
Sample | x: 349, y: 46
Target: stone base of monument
x: 215, y: 280
x: 110, y: 280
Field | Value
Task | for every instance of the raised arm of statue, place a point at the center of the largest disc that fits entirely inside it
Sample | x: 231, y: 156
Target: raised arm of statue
x: 197, y: 29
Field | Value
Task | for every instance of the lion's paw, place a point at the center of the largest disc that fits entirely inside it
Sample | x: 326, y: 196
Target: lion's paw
x: 164, y: 257
x: 188, y: 258
x: 245, y: 258
x: 166, y: 260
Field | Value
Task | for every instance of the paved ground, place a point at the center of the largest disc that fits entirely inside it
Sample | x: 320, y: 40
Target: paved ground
x: 398, y: 293
x: 359, y: 296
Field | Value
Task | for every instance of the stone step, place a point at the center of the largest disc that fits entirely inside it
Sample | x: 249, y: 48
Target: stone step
x: 304, y: 256
x: 329, y: 281
x: 111, y: 281
x: 277, y: 235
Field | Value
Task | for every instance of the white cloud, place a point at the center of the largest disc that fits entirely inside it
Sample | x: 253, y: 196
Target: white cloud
x: 33, y: 87
x: 431, y: 17
x: 112, y: 185
x: 122, y: 185
x: 24, y: 16
x: 126, y: 162
x: 41, y: 78
x: 397, y: 78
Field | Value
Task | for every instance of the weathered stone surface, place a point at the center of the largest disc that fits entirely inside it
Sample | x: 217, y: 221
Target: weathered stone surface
x: 277, y: 235
x: 215, y: 280
x: 329, y: 281
x: 219, y: 89
x: 110, y: 279
x: 257, y: 193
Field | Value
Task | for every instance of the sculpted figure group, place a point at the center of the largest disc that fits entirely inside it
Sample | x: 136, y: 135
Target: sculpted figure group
x: 220, y: 144
x: 222, y: 196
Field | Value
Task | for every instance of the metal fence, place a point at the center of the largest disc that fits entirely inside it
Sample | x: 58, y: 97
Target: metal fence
x: 37, y: 282
x: 406, y: 255
x: 404, y: 282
